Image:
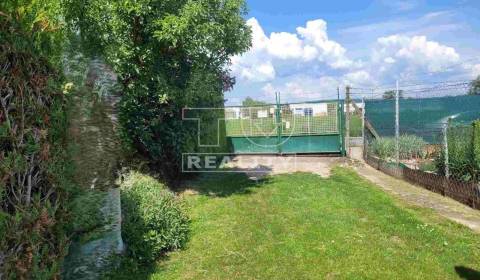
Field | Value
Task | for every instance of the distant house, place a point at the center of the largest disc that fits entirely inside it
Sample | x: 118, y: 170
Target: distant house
x: 300, y: 109
x: 311, y: 109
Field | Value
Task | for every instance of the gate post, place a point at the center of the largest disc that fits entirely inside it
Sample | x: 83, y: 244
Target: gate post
x: 347, y: 121
x: 278, y: 117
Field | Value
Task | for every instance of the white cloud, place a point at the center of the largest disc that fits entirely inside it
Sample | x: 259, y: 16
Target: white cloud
x: 303, y: 88
x: 357, y: 78
x: 412, y: 54
x: 308, y: 65
x: 316, y: 37
x: 389, y: 60
x: 282, y: 49
x: 475, y: 70
x: 285, y: 46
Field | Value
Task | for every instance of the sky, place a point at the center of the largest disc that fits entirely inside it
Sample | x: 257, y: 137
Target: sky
x: 306, y: 49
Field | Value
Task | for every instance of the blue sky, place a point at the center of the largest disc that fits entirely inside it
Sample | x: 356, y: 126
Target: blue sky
x: 305, y: 49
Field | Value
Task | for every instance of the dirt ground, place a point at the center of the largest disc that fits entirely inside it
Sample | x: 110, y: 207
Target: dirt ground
x: 257, y: 166
x: 261, y: 165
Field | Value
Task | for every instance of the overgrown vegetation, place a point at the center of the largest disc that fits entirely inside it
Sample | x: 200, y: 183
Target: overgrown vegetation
x: 154, y: 219
x: 34, y: 167
x: 463, y: 153
x: 169, y: 55
x: 410, y: 146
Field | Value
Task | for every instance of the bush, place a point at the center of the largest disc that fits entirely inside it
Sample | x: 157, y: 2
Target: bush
x: 154, y: 221
x: 463, y: 152
x: 410, y: 146
x: 34, y: 181
x: 383, y: 147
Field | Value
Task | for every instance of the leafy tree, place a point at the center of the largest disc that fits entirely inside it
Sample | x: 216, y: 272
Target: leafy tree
x: 475, y: 87
x: 250, y: 102
x: 391, y: 94
x: 169, y: 55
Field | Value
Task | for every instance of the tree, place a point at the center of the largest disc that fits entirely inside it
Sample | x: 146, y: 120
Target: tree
x: 391, y: 94
x: 475, y: 87
x: 168, y: 55
x: 250, y: 102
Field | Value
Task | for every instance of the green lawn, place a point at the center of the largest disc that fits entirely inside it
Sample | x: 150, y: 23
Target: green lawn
x: 301, y: 226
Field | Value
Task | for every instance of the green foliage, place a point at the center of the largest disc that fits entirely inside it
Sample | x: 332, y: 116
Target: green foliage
x: 169, y: 55
x: 34, y: 167
x: 355, y: 126
x: 303, y: 226
x: 384, y: 148
x: 475, y: 87
x: 85, y: 211
x: 391, y: 94
x: 463, y: 152
x: 154, y: 219
x: 410, y: 146
x: 250, y: 102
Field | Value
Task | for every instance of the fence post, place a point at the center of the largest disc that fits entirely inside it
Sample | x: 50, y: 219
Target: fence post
x: 445, y: 147
x: 347, y: 121
x: 363, y: 129
x: 446, y: 181
x: 278, y: 117
x: 397, y: 125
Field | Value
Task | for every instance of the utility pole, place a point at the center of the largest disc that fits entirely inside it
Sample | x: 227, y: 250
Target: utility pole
x: 397, y: 124
x: 347, y: 122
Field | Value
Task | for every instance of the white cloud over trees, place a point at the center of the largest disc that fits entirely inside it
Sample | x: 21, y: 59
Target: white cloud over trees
x: 309, y: 64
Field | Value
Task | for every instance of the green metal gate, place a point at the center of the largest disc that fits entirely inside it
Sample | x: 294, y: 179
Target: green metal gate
x: 296, y: 128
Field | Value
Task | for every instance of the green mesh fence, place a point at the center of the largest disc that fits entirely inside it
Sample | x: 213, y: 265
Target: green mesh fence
x: 294, y: 119
x: 422, y: 115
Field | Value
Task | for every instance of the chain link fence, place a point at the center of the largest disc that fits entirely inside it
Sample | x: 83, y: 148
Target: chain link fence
x: 426, y: 134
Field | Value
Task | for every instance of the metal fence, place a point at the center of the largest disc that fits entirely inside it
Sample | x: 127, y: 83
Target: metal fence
x: 425, y: 134
x: 293, y: 119
x: 294, y: 128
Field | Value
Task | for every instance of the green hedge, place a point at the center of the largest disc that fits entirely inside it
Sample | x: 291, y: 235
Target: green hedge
x: 34, y: 164
x: 154, y: 220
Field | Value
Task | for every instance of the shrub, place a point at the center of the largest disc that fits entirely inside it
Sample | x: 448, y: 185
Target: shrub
x: 154, y: 221
x: 476, y: 146
x: 463, y: 152
x: 383, y: 147
x: 410, y: 146
x: 33, y: 156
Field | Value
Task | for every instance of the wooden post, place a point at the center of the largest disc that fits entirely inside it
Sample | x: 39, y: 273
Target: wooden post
x: 347, y: 121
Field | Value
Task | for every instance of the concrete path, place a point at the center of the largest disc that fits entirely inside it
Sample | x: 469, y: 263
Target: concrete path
x: 419, y: 196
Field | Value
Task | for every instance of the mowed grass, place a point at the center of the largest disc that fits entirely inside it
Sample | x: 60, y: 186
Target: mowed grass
x: 302, y: 226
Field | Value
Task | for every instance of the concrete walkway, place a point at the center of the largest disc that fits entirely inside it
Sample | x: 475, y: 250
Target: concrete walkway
x: 416, y: 195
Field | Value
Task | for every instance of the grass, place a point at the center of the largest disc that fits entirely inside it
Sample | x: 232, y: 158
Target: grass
x: 356, y: 126
x: 302, y: 226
